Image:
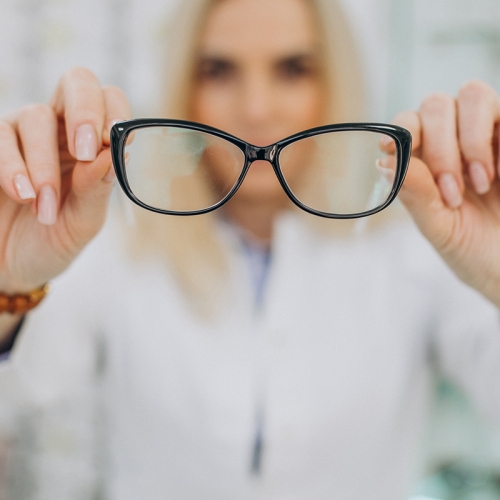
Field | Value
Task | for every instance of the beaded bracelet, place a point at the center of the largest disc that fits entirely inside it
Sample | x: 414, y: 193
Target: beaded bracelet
x: 23, y: 302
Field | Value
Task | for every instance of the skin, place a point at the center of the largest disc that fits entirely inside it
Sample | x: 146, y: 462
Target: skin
x: 451, y: 138
x: 40, y: 237
x: 259, y: 78
x: 452, y: 189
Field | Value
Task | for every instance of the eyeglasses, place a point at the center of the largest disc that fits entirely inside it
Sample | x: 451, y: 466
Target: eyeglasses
x: 338, y: 171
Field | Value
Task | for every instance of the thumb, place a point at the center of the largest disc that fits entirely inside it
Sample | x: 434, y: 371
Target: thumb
x: 422, y: 198
x: 86, y: 204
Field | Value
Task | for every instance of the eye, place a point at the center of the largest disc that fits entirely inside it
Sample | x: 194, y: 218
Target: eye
x: 215, y: 69
x: 297, y: 67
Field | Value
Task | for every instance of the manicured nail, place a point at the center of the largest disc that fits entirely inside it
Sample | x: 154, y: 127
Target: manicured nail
x: 479, y: 177
x: 23, y: 187
x: 47, y: 206
x: 449, y: 190
x: 86, y: 143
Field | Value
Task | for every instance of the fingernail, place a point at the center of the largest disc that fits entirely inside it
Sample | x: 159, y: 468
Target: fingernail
x: 479, y: 177
x: 86, y: 143
x: 449, y: 190
x: 47, y: 206
x: 23, y: 187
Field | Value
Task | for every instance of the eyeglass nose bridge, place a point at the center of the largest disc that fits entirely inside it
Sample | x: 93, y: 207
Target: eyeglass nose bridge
x: 267, y: 153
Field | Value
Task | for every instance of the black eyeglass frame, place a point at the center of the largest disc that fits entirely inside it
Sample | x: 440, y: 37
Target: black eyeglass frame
x: 121, y: 130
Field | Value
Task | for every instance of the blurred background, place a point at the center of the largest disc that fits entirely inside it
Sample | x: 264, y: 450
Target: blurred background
x: 409, y: 48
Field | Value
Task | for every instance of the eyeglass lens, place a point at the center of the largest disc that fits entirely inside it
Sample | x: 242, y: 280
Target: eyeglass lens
x: 182, y: 170
x: 339, y: 172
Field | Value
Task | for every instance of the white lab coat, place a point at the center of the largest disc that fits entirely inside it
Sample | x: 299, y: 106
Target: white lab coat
x: 338, y: 360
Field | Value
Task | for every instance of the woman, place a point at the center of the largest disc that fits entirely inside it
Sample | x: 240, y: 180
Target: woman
x: 307, y: 379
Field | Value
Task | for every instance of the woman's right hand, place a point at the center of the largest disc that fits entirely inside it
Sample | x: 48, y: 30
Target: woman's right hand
x: 56, y: 176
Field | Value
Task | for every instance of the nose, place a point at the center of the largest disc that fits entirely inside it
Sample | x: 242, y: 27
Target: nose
x: 256, y: 99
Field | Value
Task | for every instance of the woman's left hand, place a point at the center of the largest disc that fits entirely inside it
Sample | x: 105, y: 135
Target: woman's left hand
x: 452, y: 189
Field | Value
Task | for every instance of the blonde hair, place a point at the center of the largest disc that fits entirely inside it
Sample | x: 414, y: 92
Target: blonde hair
x: 195, y: 252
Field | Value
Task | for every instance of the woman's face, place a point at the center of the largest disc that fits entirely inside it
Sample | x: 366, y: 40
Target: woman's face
x: 259, y: 77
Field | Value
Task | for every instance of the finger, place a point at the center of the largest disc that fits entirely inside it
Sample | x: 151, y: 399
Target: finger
x: 117, y: 109
x: 386, y: 144
x: 80, y: 100
x: 85, y: 208
x: 478, y: 111
x: 410, y: 121
x: 422, y: 197
x: 14, y: 176
x: 439, y: 146
x: 37, y: 130
x: 89, y: 176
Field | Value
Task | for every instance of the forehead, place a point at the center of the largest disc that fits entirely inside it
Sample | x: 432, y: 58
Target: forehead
x: 254, y: 27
